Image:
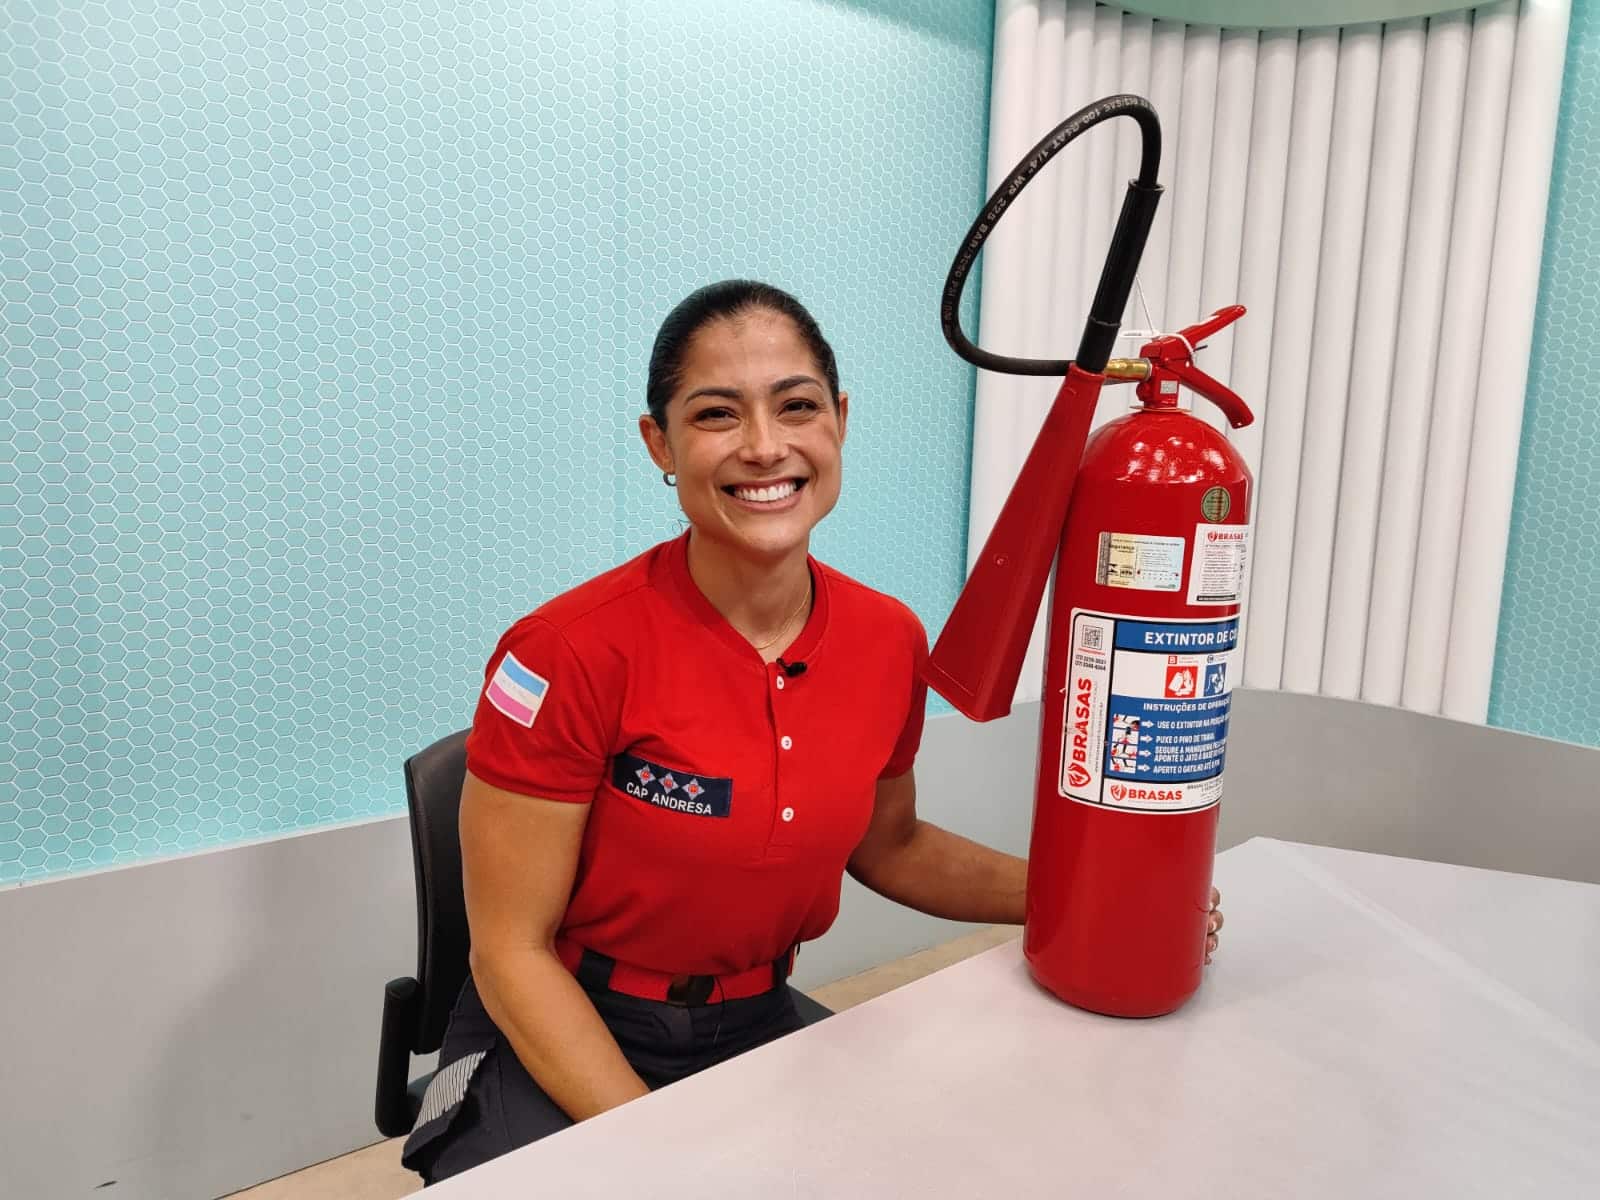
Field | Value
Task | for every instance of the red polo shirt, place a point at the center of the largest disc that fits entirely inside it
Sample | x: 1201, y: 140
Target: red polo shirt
x: 727, y: 795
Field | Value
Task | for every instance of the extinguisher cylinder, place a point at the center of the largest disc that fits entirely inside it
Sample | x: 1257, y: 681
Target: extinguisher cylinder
x: 1139, y: 667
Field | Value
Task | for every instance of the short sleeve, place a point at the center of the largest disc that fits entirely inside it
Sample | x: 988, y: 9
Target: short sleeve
x: 539, y: 728
x: 910, y: 740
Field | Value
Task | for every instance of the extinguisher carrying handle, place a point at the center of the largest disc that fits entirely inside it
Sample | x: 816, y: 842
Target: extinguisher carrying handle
x: 1122, y: 260
x: 1229, y: 401
x: 1201, y: 330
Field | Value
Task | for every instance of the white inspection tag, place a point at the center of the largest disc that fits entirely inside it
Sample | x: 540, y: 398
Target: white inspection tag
x: 1217, y: 574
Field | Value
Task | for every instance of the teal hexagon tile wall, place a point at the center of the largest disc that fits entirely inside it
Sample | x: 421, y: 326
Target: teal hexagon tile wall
x: 1549, y: 637
x: 324, y: 329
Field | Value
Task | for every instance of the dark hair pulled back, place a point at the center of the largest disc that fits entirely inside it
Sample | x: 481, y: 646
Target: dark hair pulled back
x: 731, y: 298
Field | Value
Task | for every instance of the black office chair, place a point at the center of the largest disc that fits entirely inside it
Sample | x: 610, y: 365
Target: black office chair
x: 416, y: 1011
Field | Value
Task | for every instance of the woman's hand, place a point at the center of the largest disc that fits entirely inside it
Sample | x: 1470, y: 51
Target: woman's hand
x: 1214, y: 925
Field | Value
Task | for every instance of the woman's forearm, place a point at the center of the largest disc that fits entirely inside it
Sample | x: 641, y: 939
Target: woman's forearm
x: 946, y: 875
x: 553, y: 1027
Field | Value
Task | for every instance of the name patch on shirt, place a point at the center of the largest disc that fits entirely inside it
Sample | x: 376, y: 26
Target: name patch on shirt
x: 680, y: 791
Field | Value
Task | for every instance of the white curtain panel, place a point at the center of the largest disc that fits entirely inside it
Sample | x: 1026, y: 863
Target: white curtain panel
x: 1375, y: 196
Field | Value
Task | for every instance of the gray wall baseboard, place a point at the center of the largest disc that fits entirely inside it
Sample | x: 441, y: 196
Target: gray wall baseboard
x: 190, y: 1027
x: 1364, y: 777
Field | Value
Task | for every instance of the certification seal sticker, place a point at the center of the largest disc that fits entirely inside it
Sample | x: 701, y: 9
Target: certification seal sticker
x: 1216, y: 504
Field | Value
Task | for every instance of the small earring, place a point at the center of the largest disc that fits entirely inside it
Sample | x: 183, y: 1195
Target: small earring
x: 668, y: 478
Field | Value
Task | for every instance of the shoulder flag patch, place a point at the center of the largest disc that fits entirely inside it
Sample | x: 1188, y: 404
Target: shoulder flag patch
x: 517, y: 691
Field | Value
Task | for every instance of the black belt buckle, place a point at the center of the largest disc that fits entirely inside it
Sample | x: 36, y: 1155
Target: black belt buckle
x: 690, y: 989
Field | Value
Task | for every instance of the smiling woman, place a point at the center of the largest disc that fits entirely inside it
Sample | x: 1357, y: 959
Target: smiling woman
x: 746, y: 413
x: 672, y: 766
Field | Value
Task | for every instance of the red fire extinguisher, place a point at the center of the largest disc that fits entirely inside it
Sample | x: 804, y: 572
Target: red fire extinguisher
x: 1148, y: 528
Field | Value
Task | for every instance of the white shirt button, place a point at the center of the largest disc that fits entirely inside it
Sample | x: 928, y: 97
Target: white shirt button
x: 788, y: 814
x: 786, y: 742
x: 780, y: 683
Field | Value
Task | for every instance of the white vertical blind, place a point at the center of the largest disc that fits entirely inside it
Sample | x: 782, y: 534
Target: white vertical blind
x: 1225, y: 202
x: 1332, y: 346
x: 1192, y: 156
x: 1363, y: 192
x: 1461, y: 331
x: 1394, y: 139
x: 1283, y: 406
x: 1411, y: 388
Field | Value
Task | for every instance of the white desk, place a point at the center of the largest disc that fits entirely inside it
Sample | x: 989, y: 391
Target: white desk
x: 1371, y: 1027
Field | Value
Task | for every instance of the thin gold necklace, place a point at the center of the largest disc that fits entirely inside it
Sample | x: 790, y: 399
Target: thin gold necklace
x: 784, y: 628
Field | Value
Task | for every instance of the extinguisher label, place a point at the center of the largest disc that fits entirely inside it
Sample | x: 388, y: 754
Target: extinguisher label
x: 1141, y: 561
x: 1147, y: 705
x: 1217, y: 574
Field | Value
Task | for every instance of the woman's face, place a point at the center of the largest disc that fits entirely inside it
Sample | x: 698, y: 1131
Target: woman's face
x: 752, y: 436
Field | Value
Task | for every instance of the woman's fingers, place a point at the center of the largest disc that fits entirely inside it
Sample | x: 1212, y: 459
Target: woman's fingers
x: 1214, y: 924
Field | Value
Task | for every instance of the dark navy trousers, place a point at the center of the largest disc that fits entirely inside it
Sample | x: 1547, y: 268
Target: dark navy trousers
x: 482, y: 1102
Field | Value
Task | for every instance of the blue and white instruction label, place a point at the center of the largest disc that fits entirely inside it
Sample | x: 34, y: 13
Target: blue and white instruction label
x: 1147, y: 704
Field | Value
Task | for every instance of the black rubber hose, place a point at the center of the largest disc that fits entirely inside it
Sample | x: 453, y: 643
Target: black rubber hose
x: 1122, y: 260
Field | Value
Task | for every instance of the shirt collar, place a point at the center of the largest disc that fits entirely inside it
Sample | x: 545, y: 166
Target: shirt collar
x: 673, y: 573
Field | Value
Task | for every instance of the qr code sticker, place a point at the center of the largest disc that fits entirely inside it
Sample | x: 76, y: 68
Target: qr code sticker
x: 1094, y: 637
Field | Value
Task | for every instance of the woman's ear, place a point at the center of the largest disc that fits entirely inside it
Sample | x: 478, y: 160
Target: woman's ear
x: 844, y: 413
x: 655, y: 440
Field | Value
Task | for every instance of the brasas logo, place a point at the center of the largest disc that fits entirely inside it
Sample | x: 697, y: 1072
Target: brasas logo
x: 1077, y: 772
x: 1133, y: 793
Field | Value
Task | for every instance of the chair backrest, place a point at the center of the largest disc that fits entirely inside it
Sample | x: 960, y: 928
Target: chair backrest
x: 434, y: 778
